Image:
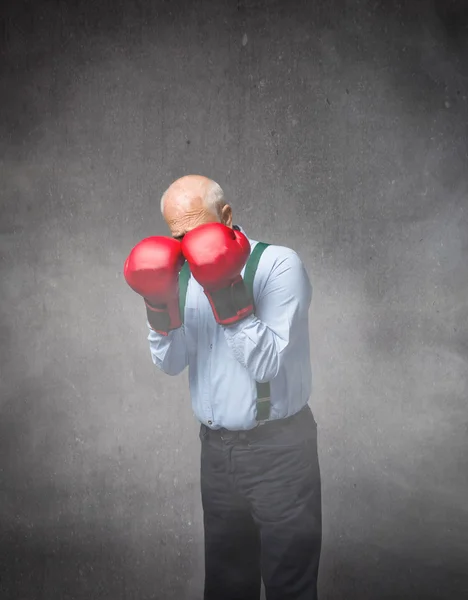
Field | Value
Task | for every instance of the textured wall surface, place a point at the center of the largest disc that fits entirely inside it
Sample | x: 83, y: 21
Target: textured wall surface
x: 336, y: 128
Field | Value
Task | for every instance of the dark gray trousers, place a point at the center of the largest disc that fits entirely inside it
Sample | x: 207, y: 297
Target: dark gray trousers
x: 261, y: 497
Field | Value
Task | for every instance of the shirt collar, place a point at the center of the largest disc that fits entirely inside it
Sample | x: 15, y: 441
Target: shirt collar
x: 239, y: 228
x: 242, y: 230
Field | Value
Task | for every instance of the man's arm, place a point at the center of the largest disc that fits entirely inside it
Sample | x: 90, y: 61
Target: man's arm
x: 261, y: 342
x: 152, y: 270
x: 169, y: 352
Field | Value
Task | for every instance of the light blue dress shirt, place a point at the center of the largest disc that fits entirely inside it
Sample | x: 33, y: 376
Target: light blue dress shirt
x: 225, y: 362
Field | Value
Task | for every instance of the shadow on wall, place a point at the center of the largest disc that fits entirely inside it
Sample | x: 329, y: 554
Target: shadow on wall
x: 86, y: 562
x: 83, y: 562
x: 364, y: 572
x: 76, y: 524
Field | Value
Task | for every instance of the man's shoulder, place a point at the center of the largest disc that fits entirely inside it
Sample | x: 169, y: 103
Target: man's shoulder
x: 281, y: 267
x: 275, y: 258
x: 274, y: 254
x: 280, y: 263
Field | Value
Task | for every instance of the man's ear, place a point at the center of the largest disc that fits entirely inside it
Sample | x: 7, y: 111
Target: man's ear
x: 226, y: 216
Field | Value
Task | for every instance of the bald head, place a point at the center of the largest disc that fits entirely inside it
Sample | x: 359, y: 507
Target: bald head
x: 191, y: 201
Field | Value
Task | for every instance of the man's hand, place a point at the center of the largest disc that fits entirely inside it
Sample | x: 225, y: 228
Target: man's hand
x: 152, y: 271
x: 216, y: 255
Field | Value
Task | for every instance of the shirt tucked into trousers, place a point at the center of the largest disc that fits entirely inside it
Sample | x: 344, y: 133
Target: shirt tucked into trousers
x: 260, y: 483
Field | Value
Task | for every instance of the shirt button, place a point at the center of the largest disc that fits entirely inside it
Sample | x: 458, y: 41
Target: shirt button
x: 211, y: 346
x: 210, y: 422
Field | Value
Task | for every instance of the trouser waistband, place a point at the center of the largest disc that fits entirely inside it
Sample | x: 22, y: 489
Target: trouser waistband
x: 266, y: 428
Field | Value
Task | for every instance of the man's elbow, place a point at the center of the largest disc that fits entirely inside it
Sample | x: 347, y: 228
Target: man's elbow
x: 268, y: 370
x: 167, y: 368
x: 174, y: 372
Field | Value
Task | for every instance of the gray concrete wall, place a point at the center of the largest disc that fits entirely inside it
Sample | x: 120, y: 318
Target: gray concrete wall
x: 337, y: 128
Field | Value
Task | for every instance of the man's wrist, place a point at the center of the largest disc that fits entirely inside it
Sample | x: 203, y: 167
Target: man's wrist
x: 231, y: 303
x: 158, y: 318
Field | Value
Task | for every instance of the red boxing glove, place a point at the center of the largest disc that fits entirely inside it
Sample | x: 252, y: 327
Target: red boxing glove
x: 216, y: 255
x: 152, y: 270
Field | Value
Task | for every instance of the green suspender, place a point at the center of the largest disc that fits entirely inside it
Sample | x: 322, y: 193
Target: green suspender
x: 263, y: 389
x: 184, y: 277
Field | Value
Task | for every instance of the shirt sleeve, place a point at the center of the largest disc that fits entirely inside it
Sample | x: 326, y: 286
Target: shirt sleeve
x: 169, y: 352
x: 261, y: 342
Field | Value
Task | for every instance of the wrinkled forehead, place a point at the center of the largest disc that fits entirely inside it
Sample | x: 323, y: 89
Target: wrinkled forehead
x: 184, y: 214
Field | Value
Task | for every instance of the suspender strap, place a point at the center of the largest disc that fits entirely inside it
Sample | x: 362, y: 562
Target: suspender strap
x: 184, y: 277
x: 252, y: 264
x: 263, y: 389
